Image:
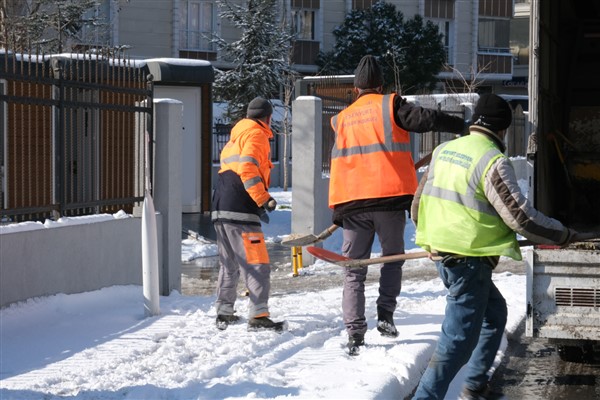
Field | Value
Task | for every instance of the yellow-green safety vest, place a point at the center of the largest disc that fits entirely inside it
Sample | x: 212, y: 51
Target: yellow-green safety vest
x: 454, y: 214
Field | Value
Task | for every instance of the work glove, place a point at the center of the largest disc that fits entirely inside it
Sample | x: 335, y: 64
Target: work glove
x: 270, y: 204
x: 571, y: 238
x: 575, y: 236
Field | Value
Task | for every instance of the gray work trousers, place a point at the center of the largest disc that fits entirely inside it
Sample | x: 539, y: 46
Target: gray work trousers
x: 359, y: 234
x: 242, y: 249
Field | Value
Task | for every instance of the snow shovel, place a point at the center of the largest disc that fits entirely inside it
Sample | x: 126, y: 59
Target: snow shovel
x: 343, y: 261
x: 295, y: 240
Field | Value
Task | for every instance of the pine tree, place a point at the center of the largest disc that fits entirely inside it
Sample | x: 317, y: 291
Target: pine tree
x: 259, y: 59
x: 47, y: 25
x: 423, y: 55
x: 410, y: 52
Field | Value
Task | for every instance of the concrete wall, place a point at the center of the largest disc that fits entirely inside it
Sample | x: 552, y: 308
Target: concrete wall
x: 70, y: 259
x: 84, y: 257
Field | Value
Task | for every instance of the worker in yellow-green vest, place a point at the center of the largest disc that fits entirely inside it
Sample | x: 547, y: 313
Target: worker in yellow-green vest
x: 467, y: 209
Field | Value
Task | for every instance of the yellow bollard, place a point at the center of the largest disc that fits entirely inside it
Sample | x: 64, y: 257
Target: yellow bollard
x: 295, y: 256
x: 299, y: 256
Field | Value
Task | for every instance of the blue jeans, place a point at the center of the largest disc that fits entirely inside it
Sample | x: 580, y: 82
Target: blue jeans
x: 472, y: 329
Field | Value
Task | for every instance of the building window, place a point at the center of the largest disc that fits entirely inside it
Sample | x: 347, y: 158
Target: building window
x: 197, y: 25
x: 362, y: 4
x: 441, y: 13
x: 494, y: 36
x: 303, y: 24
x: 519, y: 40
x: 446, y: 28
x: 439, y: 9
x: 496, y: 8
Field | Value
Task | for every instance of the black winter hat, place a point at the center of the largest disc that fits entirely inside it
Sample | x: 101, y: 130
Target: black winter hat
x: 492, y: 112
x: 259, y: 108
x: 368, y: 74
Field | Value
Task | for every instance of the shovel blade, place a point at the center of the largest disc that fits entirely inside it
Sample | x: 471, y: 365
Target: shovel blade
x: 300, y: 240
x: 326, y: 255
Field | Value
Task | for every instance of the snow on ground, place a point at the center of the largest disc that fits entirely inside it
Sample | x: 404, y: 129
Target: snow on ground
x: 99, y: 345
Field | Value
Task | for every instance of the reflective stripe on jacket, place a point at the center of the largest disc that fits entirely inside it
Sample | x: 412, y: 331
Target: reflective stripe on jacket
x: 371, y: 156
x: 455, y: 216
x: 244, y: 178
x: 248, y: 154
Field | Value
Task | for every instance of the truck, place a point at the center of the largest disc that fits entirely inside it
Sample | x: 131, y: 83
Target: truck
x: 563, y: 283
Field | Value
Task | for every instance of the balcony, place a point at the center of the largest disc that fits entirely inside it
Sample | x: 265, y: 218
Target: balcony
x: 494, y: 63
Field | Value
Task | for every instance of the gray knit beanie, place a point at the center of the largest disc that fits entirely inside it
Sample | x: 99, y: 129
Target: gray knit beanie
x: 368, y: 74
x: 259, y: 108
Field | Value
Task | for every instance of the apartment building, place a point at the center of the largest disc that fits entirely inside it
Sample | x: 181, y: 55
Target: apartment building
x: 486, y: 40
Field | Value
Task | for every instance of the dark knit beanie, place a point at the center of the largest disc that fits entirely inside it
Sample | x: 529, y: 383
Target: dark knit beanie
x: 259, y: 108
x: 492, y: 112
x: 368, y: 74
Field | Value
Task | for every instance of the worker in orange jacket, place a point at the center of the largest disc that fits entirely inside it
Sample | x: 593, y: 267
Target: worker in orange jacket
x: 372, y: 182
x: 240, y: 201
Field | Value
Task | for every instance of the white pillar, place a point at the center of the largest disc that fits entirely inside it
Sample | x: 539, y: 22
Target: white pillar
x: 310, y: 211
x: 167, y: 189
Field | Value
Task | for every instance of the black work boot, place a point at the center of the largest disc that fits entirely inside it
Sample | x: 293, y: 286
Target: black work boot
x: 354, y: 342
x: 385, y: 323
x: 483, y: 393
x: 264, y: 323
x: 223, y: 321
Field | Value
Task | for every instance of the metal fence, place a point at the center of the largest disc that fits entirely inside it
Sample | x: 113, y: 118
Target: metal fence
x: 74, y: 135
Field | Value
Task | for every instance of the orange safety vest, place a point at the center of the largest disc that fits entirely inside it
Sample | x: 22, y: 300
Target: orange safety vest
x: 248, y: 154
x: 371, y: 156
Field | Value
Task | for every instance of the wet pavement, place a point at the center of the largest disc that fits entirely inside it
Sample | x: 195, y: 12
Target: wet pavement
x: 533, y: 370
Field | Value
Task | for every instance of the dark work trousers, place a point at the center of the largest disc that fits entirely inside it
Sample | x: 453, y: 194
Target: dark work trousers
x: 359, y: 234
x: 242, y: 249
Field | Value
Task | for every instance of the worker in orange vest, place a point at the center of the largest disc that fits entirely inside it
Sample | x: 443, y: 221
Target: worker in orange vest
x: 240, y: 201
x: 372, y: 182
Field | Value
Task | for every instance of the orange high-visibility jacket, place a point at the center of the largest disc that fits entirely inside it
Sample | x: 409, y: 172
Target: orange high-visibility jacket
x: 248, y: 154
x: 371, y: 155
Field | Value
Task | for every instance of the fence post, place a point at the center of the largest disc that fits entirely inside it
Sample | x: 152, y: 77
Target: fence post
x: 310, y: 211
x: 167, y: 189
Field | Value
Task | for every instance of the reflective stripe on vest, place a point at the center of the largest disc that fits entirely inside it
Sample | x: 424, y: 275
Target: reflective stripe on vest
x: 468, y: 199
x: 454, y: 214
x: 371, y: 156
x: 389, y: 144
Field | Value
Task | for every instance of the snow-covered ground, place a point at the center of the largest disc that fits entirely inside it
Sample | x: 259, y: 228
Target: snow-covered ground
x: 99, y: 345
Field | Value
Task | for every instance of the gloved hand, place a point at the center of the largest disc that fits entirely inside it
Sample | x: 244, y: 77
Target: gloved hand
x: 270, y: 204
x: 573, y: 236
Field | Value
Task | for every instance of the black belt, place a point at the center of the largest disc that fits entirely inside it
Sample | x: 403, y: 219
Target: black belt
x: 449, y: 260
